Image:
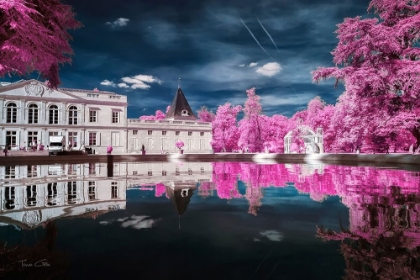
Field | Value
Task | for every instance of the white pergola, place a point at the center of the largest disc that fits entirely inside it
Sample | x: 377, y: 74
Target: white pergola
x: 314, y: 142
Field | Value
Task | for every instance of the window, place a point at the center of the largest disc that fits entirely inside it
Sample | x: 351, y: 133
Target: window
x: 31, y: 196
x: 190, y: 171
x: 202, y: 170
x: 53, y: 133
x: 176, y: 132
x: 10, y: 172
x: 10, y: 196
x: 92, y: 168
x: 189, y: 133
x: 115, y: 139
x: 115, y: 117
x: 135, y: 132
x: 32, y: 171
x: 11, y: 113
x: 163, y: 132
x: 201, y: 133
x: 114, y: 190
x: 93, y: 114
x: 184, y: 113
x: 92, y: 190
x: 149, y: 173
x: 149, y: 132
x: 52, y: 193
x: 135, y: 172
x: 32, y: 137
x: 177, y: 171
x: 92, y: 138
x: 71, y: 192
x: 73, y: 138
x: 73, y: 115
x: 53, y: 114
x: 33, y: 113
x: 11, y: 138
x: 163, y: 172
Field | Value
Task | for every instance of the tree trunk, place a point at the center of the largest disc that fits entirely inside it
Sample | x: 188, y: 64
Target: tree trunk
x: 416, y: 133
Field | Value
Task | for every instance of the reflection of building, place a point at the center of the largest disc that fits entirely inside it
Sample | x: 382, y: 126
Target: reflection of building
x: 36, y: 204
x: 29, y: 111
x: 383, y: 240
x: 180, y: 194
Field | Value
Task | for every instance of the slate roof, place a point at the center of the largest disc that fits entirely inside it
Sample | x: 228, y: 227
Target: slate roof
x: 180, y: 202
x: 178, y: 105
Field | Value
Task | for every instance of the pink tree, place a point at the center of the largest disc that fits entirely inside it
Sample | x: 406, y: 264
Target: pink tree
x: 225, y: 131
x: 250, y: 126
x: 204, y: 115
x: 381, y: 63
x: 179, y: 144
x: 159, y: 115
x: 33, y: 37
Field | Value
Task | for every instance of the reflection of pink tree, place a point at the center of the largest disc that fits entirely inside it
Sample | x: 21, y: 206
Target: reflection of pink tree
x: 160, y: 189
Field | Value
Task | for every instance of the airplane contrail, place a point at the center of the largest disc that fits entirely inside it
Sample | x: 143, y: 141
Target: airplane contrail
x: 250, y: 32
x: 268, y: 34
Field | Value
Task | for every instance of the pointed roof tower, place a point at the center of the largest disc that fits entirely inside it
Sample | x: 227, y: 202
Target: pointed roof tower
x: 180, y: 109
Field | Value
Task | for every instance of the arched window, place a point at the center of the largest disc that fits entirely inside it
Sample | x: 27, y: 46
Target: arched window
x: 73, y: 115
x: 33, y: 113
x: 53, y: 114
x: 11, y: 113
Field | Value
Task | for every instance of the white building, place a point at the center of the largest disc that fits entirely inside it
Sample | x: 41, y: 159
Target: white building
x: 30, y: 111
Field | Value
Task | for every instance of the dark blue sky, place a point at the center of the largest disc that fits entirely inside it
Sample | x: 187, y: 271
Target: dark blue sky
x: 209, y: 48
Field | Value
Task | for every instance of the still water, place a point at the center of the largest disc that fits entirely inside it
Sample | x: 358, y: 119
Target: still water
x: 208, y: 221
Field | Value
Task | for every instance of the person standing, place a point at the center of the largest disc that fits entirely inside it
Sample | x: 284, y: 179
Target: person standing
x: 5, y: 151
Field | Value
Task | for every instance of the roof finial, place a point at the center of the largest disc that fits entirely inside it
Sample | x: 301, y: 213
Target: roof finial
x: 179, y: 83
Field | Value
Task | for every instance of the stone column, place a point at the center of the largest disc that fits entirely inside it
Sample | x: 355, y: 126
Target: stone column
x: 3, y: 111
x: 42, y: 114
x: 22, y: 113
x: 62, y: 112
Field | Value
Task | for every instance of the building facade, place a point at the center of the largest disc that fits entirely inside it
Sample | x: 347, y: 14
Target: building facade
x: 31, y: 112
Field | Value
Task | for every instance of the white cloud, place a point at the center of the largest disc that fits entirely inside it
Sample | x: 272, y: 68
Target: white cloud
x: 119, y: 22
x: 242, y: 65
x: 122, y: 85
x: 253, y: 64
x: 108, y: 83
x: 148, y: 79
x: 139, y: 81
x: 269, y: 69
x: 272, y: 235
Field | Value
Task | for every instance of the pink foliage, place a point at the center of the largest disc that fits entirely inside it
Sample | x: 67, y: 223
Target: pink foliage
x: 251, y: 126
x: 380, y: 60
x: 204, y: 115
x: 179, y: 144
x: 225, y: 131
x: 33, y: 37
x: 159, y: 116
x: 160, y: 189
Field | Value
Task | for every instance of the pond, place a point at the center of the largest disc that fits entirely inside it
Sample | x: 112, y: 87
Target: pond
x: 208, y: 220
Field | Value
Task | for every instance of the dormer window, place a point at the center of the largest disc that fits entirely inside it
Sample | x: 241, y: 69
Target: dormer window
x: 184, y: 113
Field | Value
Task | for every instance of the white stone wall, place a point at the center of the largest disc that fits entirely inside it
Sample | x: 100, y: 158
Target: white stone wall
x: 197, y: 142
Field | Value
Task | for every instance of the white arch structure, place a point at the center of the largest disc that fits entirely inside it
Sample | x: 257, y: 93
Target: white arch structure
x: 314, y: 142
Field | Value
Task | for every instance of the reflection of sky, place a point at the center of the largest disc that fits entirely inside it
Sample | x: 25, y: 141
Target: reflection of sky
x: 218, y: 238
